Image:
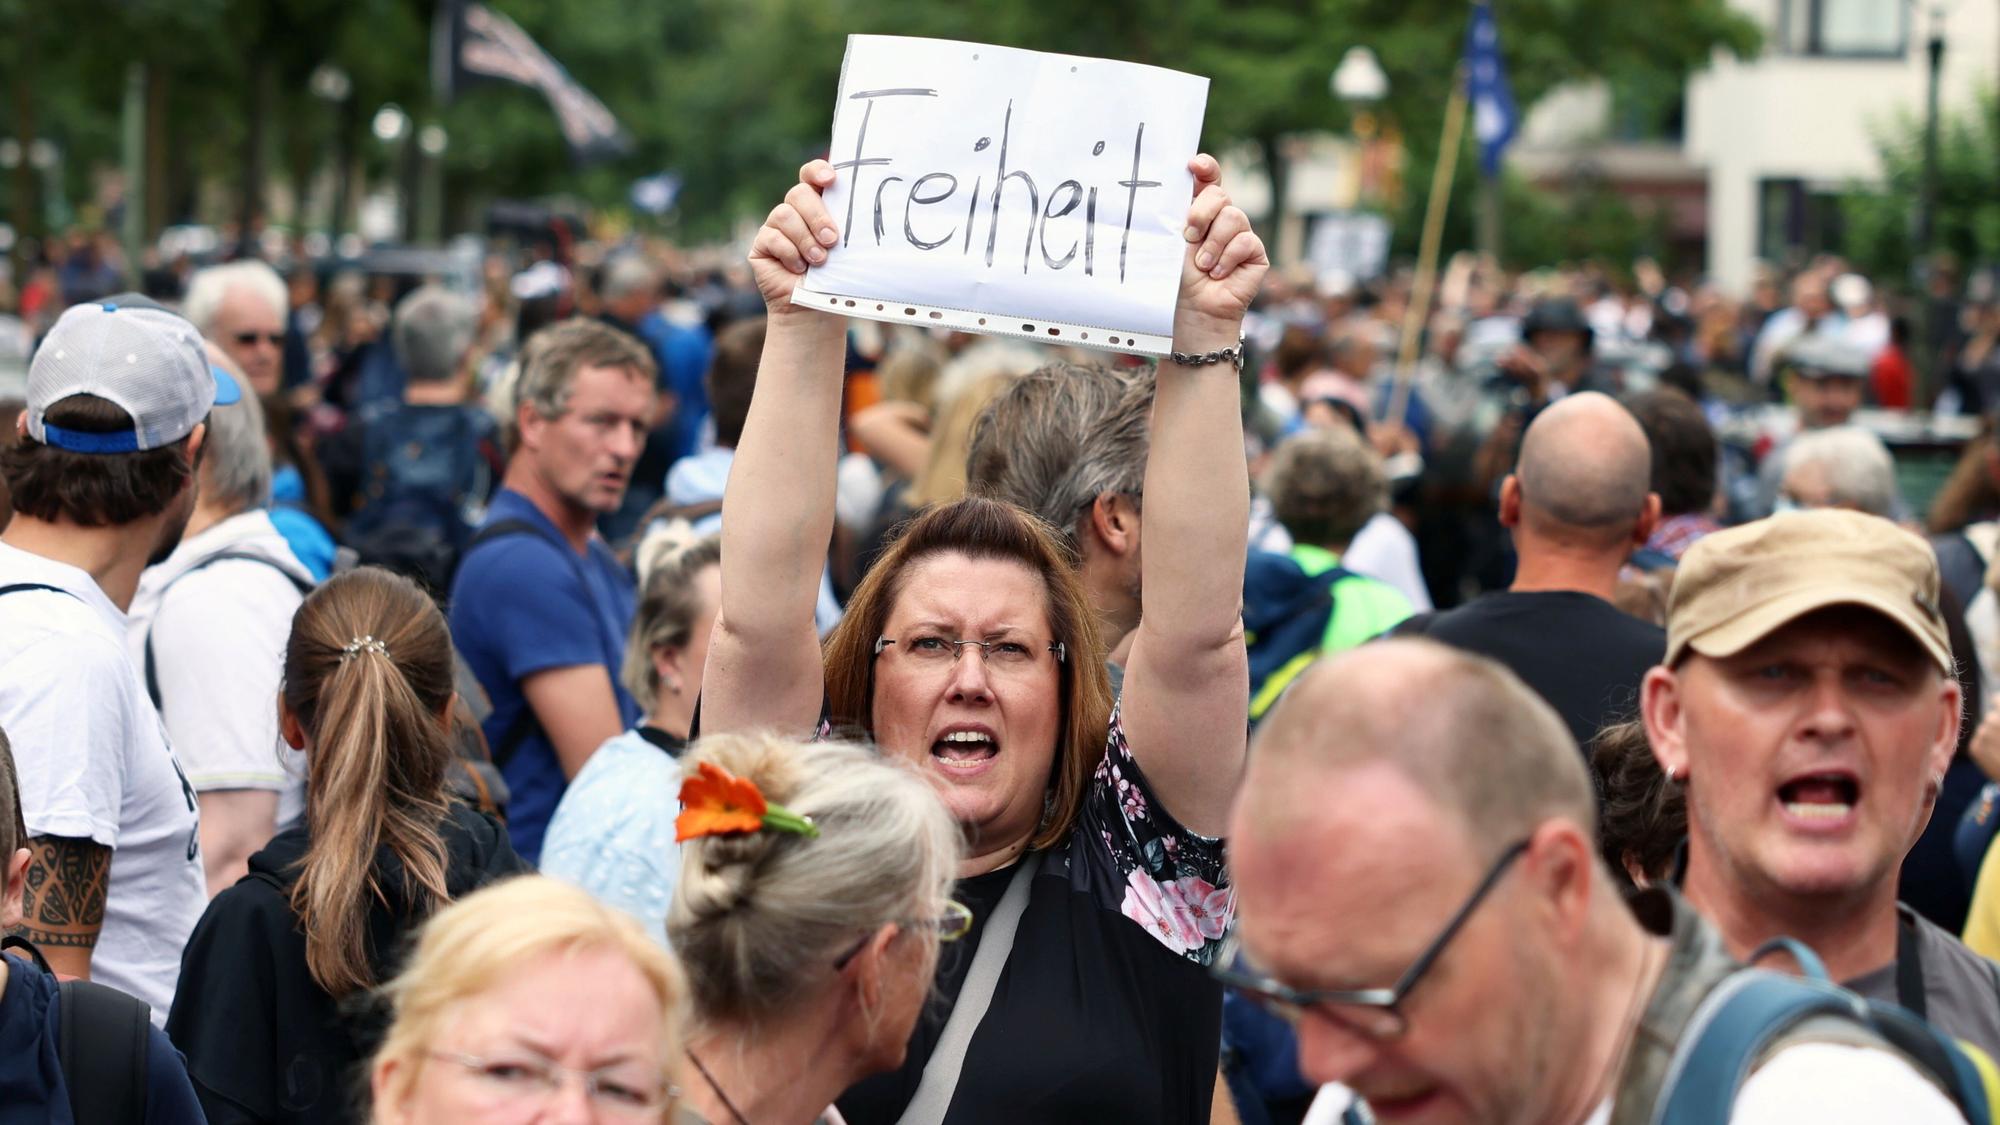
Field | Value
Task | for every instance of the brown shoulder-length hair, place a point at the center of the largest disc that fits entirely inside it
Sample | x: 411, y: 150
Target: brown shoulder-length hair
x: 986, y: 529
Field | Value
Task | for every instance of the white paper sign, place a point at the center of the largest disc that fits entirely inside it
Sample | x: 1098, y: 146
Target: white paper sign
x: 1009, y: 192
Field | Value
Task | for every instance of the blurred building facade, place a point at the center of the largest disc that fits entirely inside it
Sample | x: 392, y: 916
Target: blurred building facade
x: 1779, y: 136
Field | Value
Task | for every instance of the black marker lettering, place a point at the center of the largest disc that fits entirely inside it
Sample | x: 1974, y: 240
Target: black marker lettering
x: 861, y: 139
x: 917, y: 199
x: 886, y: 181
x: 1075, y: 197
x: 1090, y: 236
x: 1000, y: 188
x: 971, y: 207
x: 1132, y: 197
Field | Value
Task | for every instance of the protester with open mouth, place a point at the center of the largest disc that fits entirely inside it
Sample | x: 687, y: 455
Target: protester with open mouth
x: 1808, y: 704
x: 1095, y: 866
x: 1421, y: 897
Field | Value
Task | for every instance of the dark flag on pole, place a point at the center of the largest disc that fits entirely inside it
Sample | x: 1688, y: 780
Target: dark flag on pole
x: 475, y: 43
x: 1494, y: 117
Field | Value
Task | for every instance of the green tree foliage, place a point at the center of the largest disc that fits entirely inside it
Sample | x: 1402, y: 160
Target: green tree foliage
x: 1880, y: 218
x: 735, y: 94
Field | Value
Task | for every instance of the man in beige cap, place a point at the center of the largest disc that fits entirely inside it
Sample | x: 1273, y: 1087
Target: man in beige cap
x: 1808, y: 703
x: 1419, y: 892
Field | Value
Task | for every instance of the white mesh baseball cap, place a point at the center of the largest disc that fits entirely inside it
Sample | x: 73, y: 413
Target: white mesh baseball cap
x: 135, y: 354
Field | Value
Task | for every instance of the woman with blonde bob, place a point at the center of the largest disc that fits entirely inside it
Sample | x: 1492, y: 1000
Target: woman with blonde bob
x: 1095, y: 871
x: 810, y: 941
x: 530, y: 1001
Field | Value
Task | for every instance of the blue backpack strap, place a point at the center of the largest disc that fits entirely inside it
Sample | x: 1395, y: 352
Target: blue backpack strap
x: 1810, y: 966
x: 1940, y: 1056
x: 1753, y: 1008
x: 1731, y: 1030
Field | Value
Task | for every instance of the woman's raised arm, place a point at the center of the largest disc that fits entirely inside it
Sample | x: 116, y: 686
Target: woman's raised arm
x: 1187, y: 685
x: 764, y: 659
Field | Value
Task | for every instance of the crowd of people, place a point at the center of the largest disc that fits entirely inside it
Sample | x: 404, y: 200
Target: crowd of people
x: 615, y: 693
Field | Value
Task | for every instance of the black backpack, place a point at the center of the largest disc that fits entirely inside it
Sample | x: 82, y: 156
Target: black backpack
x: 101, y: 1046
x: 1286, y: 614
x: 426, y: 485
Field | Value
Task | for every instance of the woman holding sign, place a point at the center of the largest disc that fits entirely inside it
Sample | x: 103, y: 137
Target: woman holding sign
x: 1095, y: 870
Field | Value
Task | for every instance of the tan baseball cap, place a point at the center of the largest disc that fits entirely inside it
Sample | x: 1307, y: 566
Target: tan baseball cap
x: 1736, y: 587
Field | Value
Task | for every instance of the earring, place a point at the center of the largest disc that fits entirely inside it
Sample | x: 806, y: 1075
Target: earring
x: 674, y: 686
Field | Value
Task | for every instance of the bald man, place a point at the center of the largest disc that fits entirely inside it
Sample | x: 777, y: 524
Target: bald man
x: 1578, y: 503
x: 1415, y: 821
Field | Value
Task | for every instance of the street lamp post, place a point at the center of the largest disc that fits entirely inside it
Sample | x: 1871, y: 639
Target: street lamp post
x: 392, y: 127
x: 1358, y: 80
x: 46, y: 158
x: 432, y: 141
x: 1359, y: 84
x: 1926, y: 232
x: 331, y: 85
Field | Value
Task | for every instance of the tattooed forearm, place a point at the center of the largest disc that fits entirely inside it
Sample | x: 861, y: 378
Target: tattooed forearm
x: 64, y: 902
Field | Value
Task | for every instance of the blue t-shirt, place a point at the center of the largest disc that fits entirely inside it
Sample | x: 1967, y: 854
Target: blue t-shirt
x: 516, y: 609
x: 303, y: 534
x: 683, y: 353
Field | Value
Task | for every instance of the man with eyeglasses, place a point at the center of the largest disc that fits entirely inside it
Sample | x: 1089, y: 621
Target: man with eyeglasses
x: 1809, y: 704
x: 1419, y: 890
x: 242, y: 306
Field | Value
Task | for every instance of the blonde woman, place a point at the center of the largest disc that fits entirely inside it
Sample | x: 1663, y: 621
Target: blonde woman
x: 613, y: 832
x: 814, y: 892
x: 530, y: 1001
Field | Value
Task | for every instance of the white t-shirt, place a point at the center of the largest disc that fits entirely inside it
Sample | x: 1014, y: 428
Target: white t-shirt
x: 1824, y: 1083
x: 1386, y: 551
x: 219, y: 638
x: 94, y: 762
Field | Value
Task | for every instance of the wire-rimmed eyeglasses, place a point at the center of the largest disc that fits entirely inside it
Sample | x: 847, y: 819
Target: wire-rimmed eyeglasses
x: 931, y: 650
x: 1375, y: 1013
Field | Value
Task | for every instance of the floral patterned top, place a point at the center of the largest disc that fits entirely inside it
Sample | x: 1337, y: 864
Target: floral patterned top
x: 1176, y: 884
x: 1105, y: 1012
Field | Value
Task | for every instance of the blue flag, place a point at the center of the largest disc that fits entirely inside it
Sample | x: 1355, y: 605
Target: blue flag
x: 1494, y: 117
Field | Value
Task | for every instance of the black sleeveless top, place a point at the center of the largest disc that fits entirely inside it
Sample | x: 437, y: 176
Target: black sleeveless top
x: 1105, y: 1012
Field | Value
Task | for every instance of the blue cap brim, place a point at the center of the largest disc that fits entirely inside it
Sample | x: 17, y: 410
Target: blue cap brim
x: 226, y: 390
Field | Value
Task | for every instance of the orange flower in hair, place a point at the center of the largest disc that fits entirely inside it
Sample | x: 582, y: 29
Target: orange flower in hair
x: 715, y: 802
